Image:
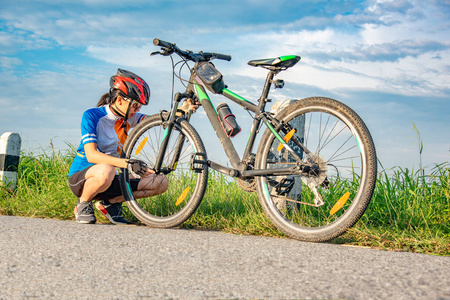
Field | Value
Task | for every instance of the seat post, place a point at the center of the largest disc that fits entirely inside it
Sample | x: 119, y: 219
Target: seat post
x: 266, y: 88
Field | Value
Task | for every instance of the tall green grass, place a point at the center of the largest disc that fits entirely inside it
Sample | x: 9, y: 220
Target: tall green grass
x: 410, y: 210
x: 42, y: 189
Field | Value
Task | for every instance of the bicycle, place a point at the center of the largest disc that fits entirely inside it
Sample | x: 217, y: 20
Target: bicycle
x: 314, y: 170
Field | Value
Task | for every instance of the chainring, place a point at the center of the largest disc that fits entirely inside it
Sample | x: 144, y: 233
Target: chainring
x: 248, y: 185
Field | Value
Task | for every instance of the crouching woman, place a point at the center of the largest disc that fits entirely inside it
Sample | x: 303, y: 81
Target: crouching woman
x: 92, y: 175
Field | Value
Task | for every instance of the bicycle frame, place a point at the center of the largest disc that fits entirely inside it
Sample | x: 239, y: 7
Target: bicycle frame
x: 240, y: 166
x: 329, y: 190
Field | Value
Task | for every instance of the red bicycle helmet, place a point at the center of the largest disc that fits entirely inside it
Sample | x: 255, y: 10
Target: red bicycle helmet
x: 131, y: 85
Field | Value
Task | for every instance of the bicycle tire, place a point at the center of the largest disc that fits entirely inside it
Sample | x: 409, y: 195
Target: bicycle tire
x: 341, y: 145
x: 186, y: 187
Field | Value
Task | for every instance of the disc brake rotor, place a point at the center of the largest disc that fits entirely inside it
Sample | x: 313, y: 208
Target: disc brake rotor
x: 313, y: 181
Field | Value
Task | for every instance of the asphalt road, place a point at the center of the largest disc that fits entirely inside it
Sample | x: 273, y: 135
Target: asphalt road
x: 42, y: 259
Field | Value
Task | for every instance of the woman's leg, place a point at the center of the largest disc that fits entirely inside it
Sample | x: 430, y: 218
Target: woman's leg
x: 98, y: 179
x: 148, y: 186
x: 152, y: 185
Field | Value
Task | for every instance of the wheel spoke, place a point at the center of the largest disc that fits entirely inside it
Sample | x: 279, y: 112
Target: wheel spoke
x: 186, y: 188
x: 337, y: 155
x: 322, y: 194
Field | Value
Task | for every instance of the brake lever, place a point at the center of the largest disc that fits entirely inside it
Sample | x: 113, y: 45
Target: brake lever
x: 165, y: 52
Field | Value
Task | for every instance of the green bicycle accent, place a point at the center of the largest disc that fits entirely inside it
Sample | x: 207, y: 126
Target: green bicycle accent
x: 275, y: 133
x: 166, y: 133
x: 129, y: 188
x: 202, y: 95
x: 287, y: 57
x: 357, y: 141
x: 227, y: 91
x: 266, y: 190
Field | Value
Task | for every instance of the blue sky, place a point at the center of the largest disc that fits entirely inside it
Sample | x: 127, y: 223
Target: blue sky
x: 388, y: 60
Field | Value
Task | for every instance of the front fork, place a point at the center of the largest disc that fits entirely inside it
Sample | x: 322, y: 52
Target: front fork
x: 166, y: 137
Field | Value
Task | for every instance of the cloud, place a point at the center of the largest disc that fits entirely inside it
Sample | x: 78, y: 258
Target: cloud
x: 14, y: 40
x: 126, y: 55
x: 408, y: 56
x: 409, y: 67
x: 359, y: 46
x: 383, y: 7
x: 9, y: 62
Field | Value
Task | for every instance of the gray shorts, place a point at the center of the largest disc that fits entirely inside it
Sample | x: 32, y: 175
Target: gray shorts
x: 77, y: 180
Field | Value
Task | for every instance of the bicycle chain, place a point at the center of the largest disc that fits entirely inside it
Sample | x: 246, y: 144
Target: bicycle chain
x: 292, y: 200
x: 247, y: 186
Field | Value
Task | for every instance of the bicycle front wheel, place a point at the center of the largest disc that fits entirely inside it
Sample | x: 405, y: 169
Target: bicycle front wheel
x: 186, y: 171
x: 323, y: 201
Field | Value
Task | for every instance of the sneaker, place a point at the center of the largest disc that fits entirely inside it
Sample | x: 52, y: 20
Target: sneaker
x: 113, y: 212
x: 84, y: 213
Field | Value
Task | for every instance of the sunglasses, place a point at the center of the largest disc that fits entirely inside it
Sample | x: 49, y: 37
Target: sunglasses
x: 135, y: 105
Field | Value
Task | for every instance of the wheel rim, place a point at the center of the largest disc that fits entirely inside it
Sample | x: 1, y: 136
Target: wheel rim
x: 337, y: 150
x: 183, y: 182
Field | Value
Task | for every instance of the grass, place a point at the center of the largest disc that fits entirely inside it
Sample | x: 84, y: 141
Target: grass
x: 410, y: 210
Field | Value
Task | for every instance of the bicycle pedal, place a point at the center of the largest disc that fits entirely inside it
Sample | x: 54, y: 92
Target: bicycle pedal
x: 198, y: 162
x: 284, y: 186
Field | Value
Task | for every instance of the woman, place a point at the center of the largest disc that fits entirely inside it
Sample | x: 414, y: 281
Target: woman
x: 92, y: 175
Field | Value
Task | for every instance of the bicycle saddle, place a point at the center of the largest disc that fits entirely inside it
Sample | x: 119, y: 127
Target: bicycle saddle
x: 283, y: 62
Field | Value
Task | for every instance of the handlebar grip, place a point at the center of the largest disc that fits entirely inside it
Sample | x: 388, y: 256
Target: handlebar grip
x: 222, y: 56
x: 158, y: 42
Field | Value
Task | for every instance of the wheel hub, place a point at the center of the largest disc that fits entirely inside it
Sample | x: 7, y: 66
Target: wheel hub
x: 317, y: 171
x: 316, y: 175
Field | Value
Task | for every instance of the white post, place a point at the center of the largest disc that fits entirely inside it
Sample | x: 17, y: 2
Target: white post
x: 299, y: 125
x: 10, y: 143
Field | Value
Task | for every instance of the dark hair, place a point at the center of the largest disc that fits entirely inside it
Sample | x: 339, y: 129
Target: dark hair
x: 109, y: 97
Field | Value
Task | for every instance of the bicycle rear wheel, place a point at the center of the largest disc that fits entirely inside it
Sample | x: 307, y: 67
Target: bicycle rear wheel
x: 322, y: 204
x: 187, y: 179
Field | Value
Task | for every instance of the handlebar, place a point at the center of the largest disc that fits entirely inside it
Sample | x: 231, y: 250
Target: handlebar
x: 196, y: 57
x: 158, y: 42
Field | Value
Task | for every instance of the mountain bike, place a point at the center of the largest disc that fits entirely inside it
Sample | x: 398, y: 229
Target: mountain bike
x: 314, y: 169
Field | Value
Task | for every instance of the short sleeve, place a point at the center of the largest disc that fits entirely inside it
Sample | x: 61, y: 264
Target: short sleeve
x: 89, y: 123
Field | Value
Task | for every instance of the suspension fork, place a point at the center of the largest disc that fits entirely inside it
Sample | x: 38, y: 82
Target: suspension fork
x: 168, y: 133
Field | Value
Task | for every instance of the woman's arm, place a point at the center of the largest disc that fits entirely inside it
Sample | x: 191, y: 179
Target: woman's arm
x: 96, y: 157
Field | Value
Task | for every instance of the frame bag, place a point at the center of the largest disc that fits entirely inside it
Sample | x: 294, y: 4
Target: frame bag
x: 210, y: 77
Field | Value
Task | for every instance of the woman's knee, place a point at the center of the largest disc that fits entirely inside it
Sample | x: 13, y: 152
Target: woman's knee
x: 156, y: 183
x: 164, y: 183
x: 103, y: 173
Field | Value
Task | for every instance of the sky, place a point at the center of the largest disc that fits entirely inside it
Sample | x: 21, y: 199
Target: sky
x: 388, y: 60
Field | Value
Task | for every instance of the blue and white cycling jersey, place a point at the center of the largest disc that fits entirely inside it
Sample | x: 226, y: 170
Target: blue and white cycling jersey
x: 99, y: 125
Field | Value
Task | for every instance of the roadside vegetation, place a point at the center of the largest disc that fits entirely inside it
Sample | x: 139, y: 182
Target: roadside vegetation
x: 410, y: 209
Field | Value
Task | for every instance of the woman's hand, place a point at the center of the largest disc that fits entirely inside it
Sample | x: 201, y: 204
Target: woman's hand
x: 138, y: 168
x: 190, y: 105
